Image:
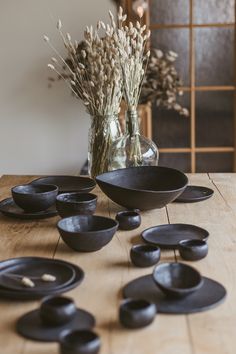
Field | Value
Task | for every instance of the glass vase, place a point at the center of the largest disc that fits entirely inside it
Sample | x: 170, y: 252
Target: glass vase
x: 132, y: 149
x: 104, y: 130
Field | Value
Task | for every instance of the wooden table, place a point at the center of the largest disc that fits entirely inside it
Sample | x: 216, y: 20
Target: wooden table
x: 211, y: 332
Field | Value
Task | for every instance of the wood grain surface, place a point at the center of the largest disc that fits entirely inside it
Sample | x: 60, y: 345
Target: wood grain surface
x: 108, y: 270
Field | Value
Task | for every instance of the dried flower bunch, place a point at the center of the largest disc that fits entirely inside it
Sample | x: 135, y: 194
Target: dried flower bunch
x: 94, y: 72
x: 162, y: 83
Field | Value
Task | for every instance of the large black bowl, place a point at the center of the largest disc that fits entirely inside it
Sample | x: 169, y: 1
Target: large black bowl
x: 146, y: 187
x: 87, y: 233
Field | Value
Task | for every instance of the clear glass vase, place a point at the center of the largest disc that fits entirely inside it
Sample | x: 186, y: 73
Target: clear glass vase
x: 104, y: 130
x: 132, y: 149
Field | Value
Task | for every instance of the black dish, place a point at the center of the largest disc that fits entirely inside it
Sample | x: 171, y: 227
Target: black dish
x: 69, y: 204
x: 207, y: 297
x: 34, y: 198
x: 80, y: 342
x: 145, y: 255
x: 34, y: 268
x: 57, y: 310
x: 194, y: 194
x: 128, y: 219
x: 168, y: 236
x: 193, y: 250
x: 68, y: 184
x: 10, y: 209
x: 87, y: 233
x: 137, y: 313
x: 29, y: 295
x: 146, y: 187
x: 31, y: 326
x: 177, y: 279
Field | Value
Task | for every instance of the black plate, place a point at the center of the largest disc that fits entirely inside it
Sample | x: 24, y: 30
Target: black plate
x: 29, y: 295
x: 31, y: 326
x: 33, y: 268
x: 168, y: 236
x: 194, y: 194
x: 9, y: 208
x: 207, y: 297
x: 68, y: 184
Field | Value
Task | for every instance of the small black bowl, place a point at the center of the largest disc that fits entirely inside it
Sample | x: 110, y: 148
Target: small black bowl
x: 145, y: 255
x: 87, y: 233
x: 128, y: 219
x: 34, y: 198
x: 57, y: 310
x: 69, y: 204
x: 193, y: 250
x: 79, y: 342
x: 177, y: 279
x: 137, y: 313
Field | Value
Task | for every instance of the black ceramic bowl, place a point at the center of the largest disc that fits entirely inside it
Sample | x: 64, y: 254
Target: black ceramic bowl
x: 136, y: 313
x: 34, y: 198
x: 57, y: 310
x: 128, y: 219
x: 79, y: 342
x: 87, y: 233
x: 69, y: 204
x: 193, y: 250
x: 146, y: 187
x: 145, y: 255
x: 177, y: 279
x: 68, y: 184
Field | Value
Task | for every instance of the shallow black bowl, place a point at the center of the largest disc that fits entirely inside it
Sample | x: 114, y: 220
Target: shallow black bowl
x: 193, y: 250
x: 80, y: 342
x: 87, y: 233
x: 136, y: 313
x: 68, y: 184
x: 145, y: 255
x: 128, y: 219
x: 69, y: 204
x: 34, y: 198
x: 57, y: 310
x: 177, y: 279
x: 146, y: 187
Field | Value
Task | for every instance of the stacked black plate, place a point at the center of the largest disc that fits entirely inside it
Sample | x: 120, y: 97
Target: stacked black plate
x: 66, y: 276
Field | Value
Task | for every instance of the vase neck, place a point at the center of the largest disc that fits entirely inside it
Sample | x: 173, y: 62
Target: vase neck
x: 132, y: 122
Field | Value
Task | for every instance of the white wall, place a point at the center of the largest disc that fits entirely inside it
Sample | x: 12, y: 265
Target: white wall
x: 42, y: 131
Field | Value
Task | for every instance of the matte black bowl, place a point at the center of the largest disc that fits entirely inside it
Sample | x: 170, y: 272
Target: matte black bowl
x: 128, y: 219
x: 146, y: 187
x: 145, y: 255
x: 87, y: 233
x: 57, y: 310
x: 79, y: 342
x: 136, y: 313
x: 193, y: 250
x: 69, y: 204
x: 68, y: 184
x: 177, y: 279
x: 34, y: 198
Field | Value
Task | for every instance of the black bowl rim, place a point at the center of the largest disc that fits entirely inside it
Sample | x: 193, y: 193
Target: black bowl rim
x: 123, y: 213
x: 98, y: 179
x: 65, y: 334
x: 124, y: 305
x: 87, y: 178
x: 179, y: 290
x: 116, y: 224
x: 136, y: 248
x: 183, y: 244
x: 95, y: 197
x: 32, y: 185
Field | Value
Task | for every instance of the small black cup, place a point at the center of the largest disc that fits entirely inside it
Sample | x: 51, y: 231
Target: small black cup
x: 129, y: 219
x: 79, y: 342
x: 57, y: 310
x: 193, y: 250
x: 145, y: 255
x: 137, y: 313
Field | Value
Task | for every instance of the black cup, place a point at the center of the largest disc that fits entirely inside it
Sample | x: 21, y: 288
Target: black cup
x: 79, y: 342
x: 129, y: 219
x: 57, y: 310
x: 136, y: 313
